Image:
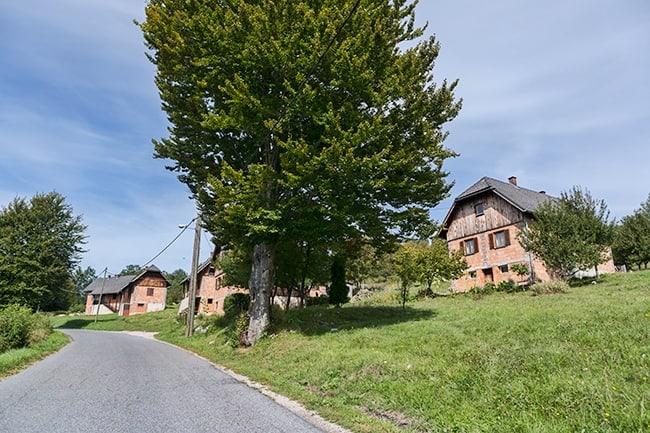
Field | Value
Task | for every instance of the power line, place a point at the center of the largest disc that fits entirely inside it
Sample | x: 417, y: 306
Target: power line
x: 171, y: 242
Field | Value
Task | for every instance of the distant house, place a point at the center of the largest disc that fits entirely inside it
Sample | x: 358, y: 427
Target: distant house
x: 211, y: 290
x: 128, y: 294
x: 484, y: 221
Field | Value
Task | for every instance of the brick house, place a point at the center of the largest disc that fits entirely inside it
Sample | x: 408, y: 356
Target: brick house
x: 128, y: 294
x: 484, y: 222
x: 211, y: 290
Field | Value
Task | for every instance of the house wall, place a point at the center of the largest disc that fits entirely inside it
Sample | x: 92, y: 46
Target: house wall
x: 212, y: 292
x: 490, y: 263
x: 140, y: 301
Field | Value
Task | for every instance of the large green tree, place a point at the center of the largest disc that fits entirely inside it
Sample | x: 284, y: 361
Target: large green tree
x: 40, y: 244
x: 295, y: 115
x: 571, y: 233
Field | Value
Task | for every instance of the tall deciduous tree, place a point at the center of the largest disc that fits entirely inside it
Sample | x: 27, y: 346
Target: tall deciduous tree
x: 570, y: 234
x: 291, y: 115
x: 40, y: 244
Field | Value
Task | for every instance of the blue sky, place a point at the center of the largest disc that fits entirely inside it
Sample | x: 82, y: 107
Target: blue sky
x: 556, y: 93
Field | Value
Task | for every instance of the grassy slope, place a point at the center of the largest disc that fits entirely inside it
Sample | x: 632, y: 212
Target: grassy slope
x: 503, y: 363
x: 15, y: 360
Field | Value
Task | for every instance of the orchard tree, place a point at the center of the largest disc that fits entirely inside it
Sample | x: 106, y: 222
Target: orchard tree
x: 632, y: 238
x: 426, y: 262
x: 40, y: 244
x: 570, y: 234
x: 289, y: 115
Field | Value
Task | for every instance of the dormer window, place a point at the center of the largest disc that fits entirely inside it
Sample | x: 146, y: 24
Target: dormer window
x: 478, y: 209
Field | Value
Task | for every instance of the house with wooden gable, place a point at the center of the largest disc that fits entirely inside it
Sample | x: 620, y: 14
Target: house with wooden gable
x: 128, y: 294
x: 211, y: 291
x: 484, y: 222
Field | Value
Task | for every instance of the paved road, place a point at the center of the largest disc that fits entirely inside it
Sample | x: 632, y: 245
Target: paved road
x: 113, y: 382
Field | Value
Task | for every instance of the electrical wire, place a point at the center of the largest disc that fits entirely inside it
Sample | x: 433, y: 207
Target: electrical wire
x: 170, y: 243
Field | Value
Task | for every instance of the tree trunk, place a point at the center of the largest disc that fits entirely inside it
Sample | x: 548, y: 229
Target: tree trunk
x: 261, y: 286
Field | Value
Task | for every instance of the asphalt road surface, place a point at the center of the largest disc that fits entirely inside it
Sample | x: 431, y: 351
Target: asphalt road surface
x: 114, y: 382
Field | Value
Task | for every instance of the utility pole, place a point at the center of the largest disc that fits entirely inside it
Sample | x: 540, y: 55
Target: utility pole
x: 191, y: 296
x: 101, y: 293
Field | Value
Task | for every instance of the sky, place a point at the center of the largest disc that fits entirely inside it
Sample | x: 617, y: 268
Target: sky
x: 556, y: 93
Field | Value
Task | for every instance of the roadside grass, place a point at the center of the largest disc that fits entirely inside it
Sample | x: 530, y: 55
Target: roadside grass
x: 571, y: 362
x: 158, y: 321
x: 15, y: 360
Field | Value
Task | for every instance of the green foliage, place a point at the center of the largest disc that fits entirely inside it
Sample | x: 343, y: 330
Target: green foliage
x: 632, y: 238
x: 549, y: 287
x: 175, y: 290
x: 40, y: 244
x: 235, y: 304
x: 20, y: 328
x: 15, y: 325
x: 81, y: 278
x: 338, y: 293
x: 320, y: 300
x: 521, y: 269
x: 131, y: 270
x: 288, y: 128
x: 570, y: 234
x: 16, y: 359
x: 427, y: 263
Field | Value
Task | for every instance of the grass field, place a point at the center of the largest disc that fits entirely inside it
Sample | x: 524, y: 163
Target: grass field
x: 574, y: 362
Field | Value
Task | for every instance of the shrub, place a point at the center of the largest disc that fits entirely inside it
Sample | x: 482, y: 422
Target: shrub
x: 15, y: 326
x: 40, y: 330
x: 507, y: 286
x: 236, y: 304
x: 320, y: 300
x: 549, y: 287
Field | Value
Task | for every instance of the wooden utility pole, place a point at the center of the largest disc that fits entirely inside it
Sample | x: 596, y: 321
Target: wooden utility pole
x: 191, y: 296
x: 101, y: 293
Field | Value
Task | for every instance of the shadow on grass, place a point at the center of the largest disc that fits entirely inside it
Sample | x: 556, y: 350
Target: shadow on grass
x: 77, y: 323
x: 324, y: 320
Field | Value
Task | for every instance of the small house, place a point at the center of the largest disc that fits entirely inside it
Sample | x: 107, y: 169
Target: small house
x: 128, y: 294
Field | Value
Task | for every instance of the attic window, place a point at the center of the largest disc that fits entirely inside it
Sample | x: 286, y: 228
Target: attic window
x: 478, y: 209
x: 149, y: 291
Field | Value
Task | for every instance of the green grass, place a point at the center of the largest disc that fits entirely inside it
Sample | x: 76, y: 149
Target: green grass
x: 159, y: 321
x: 15, y: 360
x: 572, y: 362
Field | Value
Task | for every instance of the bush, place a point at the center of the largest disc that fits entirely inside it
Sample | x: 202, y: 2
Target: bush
x: 41, y: 329
x: 236, y: 304
x: 15, y: 326
x: 549, y: 287
x: 507, y: 286
x: 320, y: 300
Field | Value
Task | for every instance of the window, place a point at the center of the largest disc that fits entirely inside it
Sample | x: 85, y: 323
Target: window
x: 503, y: 269
x: 210, y: 301
x: 478, y: 209
x: 149, y: 291
x: 469, y: 246
x: 500, y: 239
x: 472, y: 274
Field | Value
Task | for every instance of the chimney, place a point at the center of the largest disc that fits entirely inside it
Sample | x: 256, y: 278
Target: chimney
x: 543, y: 192
x: 513, y: 180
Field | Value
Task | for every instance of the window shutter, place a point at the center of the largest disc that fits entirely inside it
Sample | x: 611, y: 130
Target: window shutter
x: 491, y: 240
x: 462, y: 248
x: 507, y: 234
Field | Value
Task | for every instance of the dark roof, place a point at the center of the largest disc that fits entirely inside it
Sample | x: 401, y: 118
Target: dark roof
x: 524, y: 199
x: 116, y: 284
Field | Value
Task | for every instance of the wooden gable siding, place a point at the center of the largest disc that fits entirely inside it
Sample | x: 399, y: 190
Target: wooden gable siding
x: 496, y: 213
